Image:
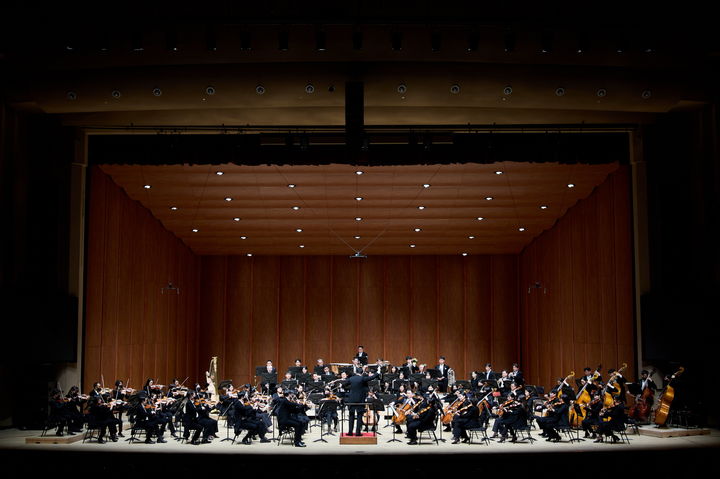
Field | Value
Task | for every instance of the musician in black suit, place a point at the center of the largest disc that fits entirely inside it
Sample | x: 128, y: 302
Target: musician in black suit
x: 489, y: 373
x: 246, y: 417
x: 466, y: 417
x: 557, y: 417
x: 442, y: 376
x: 319, y: 367
x: 516, y: 375
x: 358, y: 392
x: 286, y: 412
x: 357, y: 368
x: 362, y: 355
x: 420, y: 418
x: 611, y: 421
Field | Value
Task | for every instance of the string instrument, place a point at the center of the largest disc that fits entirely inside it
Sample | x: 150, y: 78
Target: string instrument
x: 666, y: 399
x: 640, y: 410
x: 607, y: 397
x: 368, y: 418
x: 505, y: 406
x: 577, y: 414
x: 400, y: 415
x: 450, y: 411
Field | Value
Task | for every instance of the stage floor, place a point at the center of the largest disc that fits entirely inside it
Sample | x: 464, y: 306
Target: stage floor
x: 14, y: 439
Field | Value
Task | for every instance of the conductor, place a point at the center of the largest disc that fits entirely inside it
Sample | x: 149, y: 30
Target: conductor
x: 358, y: 385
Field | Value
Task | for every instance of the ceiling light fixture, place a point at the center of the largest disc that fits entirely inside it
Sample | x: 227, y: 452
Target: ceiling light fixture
x: 359, y: 198
x: 421, y: 207
x: 412, y: 245
x: 356, y: 237
x: 417, y: 230
x: 243, y: 237
x: 543, y: 207
x: 359, y: 172
x: 498, y: 172
x: 301, y: 246
x: 479, y: 218
x: 291, y: 185
x: 249, y: 254
x: 174, y: 208
x: 464, y: 254
x: 357, y: 218
x: 471, y: 237
x: 147, y: 187
x: 426, y: 185
x: 571, y: 185
x: 236, y: 219
x: 219, y: 173
x: 521, y: 229
x: 296, y: 208
x: 195, y: 230
x: 488, y: 198
x: 227, y: 198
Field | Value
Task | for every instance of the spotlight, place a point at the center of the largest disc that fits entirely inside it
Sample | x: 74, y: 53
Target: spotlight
x: 543, y: 207
x: 473, y: 41
x: 412, y: 245
x: 421, y: 207
x: 71, y: 95
x: 455, y: 89
x: 156, y: 91
x: 283, y: 41
x: 498, y: 172
x: 435, y: 41
x: 291, y: 185
x: 521, y: 229
x: 320, y: 41
x: 464, y: 254
x: 296, y: 208
x: 301, y: 246
x: 174, y: 208
x: 236, y: 219
x: 571, y: 185
x: 601, y: 93
x: 507, y: 91
x: 116, y: 94
x: 560, y: 91
x: 402, y: 88
x: 471, y: 237
x: 309, y: 88
x: 245, y: 41
x: 509, y: 42
x: 195, y: 230
x: 356, y: 237
x: 646, y: 94
x: 358, y: 198
x: 248, y: 254
x: 243, y: 237
x: 227, y: 198
x: 260, y: 90
x: 426, y: 185
x: 359, y: 172
x: 210, y: 90
x: 489, y: 198
x: 357, y: 40
x: 417, y: 230
x: 479, y: 218
x: 396, y: 41
x: 299, y: 230
x: 147, y: 187
x: 357, y: 218
x: 219, y: 173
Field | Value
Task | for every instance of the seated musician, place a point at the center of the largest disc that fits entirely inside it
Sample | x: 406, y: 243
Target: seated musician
x: 197, y: 418
x: 420, y: 418
x: 611, y: 421
x: 58, y: 412
x: 319, y: 367
x: 592, y: 415
x: 101, y: 413
x: 246, y: 417
x: 327, y: 373
x: 617, y: 387
x: 286, y: 412
x: 361, y: 355
x: 402, y: 401
x: 73, y: 408
x: 228, y: 400
x: 466, y: 417
x: 376, y: 405
x: 557, y: 418
x: 514, y: 414
x: 328, y: 409
x: 147, y: 418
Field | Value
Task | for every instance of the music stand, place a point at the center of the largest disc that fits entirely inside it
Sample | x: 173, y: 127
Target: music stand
x: 346, y: 369
x: 462, y: 384
x: 328, y: 377
x: 429, y: 382
x: 289, y: 384
x: 294, y: 370
x: 326, y: 404
x: 316, y: 386
x: 434, y: 373
x: 634, y: 388
x: 416, y: 377
x: 268, y: 378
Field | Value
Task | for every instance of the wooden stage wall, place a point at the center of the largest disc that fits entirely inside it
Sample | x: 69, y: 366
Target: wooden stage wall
x: 286, y: 307
x: 246, y: 310
x: 585, y: 317
x: 132, y: 330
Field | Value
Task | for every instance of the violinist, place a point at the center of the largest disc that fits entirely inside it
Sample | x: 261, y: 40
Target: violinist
x: 101, y: 413
x: 511, y: 414
x: 557, y: 418
x: 420, y: 418
x: 285, y: 410
x: 58, y: 412
x: 328, y: 409
x: 120, y: 393
x: 466, y: 416
x: 612, y: 420
x: 197, y: 418
x: 146, y: 417
x: 74, y: 404
x: 246, y: 417
x: 228, y: 401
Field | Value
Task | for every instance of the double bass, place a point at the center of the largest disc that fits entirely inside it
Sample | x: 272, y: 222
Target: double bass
x: 640, y: 411
x: 666, y: 399
x: 578, y: 412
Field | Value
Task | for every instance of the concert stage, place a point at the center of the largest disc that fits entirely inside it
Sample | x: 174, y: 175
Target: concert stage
x: 687, y: 453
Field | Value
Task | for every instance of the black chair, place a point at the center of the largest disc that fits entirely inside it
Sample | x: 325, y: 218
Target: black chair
x: 286, y: 432
x: 572, y: 434
x: 430, y: 431
x: 92, y: 431
x: 479, y: 432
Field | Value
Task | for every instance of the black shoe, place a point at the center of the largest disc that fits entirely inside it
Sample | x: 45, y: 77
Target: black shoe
x: 586, y: 435
x: 121, y: 434
x: 114, y: 438
x: 264, y: 440
x: 350, y: 434
x: 447, y: 429
x: 456, y: 440
x: 247, y: 441
x: 149, y: 441
x: 412, y: 442
x: 161, y: 440
x: 466, y: 440
x: 206, y: 441
x: 300, y: 444
x: 502, y: 439
x: 101, y: 440
x: 615, y: 439
x: 398, y: 430
x: 514, y: 439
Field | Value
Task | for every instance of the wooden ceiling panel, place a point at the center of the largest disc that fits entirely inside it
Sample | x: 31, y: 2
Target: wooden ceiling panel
x: 263, y: 202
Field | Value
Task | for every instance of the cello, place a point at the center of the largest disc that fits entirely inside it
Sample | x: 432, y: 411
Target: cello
x: 666, y: 400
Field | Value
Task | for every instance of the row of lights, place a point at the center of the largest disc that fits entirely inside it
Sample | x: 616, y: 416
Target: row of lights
x: 546, y: 42
x: 358, y: 198
x: 401, y: 89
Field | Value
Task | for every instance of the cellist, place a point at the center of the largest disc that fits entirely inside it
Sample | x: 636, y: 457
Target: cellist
x: 466, y: 417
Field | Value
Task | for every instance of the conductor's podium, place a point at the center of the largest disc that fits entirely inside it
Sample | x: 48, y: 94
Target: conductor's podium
x: 366, y: 438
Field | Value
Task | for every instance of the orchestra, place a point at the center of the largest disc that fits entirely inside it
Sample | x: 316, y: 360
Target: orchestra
x: 596, y: 407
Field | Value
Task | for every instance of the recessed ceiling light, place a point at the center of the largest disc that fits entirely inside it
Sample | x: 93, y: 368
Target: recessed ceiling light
x: 521, y: 229
x: 421, y: 207
x: 236, y: 219
x: 356, y: 237
x: 243, y: 237
x: 174, y: 208
x: 147, y: 187
x: 249, y: 254
x: 426, y: 185
x: 417, y: 230
x: 359, y: 198
x: 479, y: 218
x: 219, y: 173
x: 296, y: 208
x: 227, y: 198
x: 358, y: 172
x: 488, y: 198
x: 412, y: 245
x: 299, y: 230
x: 291, y: 185
x: 195, y: 230
x: 357, y: 218
x: 499, y: 172
x: 464, y: 254
x: 471, y: 237
x: 543, y: 207
x: 301, y: 246
x: 571, y: 185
